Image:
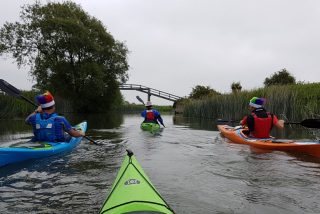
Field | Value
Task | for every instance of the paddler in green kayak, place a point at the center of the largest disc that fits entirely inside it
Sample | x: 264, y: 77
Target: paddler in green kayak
x: 48, y: 125
x: 151, y: 115
x: 260, y: 122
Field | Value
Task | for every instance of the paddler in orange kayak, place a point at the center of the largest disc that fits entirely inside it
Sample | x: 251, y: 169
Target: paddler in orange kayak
x: 260, y: 122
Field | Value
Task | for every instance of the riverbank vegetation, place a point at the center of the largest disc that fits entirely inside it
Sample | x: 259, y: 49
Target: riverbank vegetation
x: 137, y: 108
x: 11, y: 107
x: 293, y: 102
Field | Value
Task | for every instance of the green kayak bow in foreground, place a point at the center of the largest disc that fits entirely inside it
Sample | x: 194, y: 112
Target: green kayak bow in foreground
x: 133, y: 192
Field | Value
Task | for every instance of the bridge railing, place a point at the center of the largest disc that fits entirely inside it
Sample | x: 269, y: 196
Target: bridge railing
x: 150, y: 91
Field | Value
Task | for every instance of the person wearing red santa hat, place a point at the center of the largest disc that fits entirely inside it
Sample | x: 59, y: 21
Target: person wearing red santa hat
x: 47, y: 125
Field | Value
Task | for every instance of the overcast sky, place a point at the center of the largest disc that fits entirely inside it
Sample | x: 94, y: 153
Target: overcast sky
x: 177, y: 44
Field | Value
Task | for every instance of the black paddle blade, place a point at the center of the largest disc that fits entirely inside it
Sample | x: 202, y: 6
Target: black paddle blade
x: 311, y: 123
x: 140, y: 99
x: 13, y: 91
x: 9, y: 89
x: 129, y: 152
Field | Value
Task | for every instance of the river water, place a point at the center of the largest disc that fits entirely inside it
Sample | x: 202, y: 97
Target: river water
x: 191, y: 165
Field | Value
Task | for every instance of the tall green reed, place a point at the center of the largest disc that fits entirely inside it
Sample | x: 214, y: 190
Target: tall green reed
x: 290, y: 102
x: 11, y: 107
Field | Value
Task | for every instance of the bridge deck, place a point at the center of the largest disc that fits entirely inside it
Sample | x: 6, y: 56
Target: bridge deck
x: 150, y: 91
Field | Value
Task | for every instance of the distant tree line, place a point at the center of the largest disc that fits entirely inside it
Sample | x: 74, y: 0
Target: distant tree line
x: 282, y: 77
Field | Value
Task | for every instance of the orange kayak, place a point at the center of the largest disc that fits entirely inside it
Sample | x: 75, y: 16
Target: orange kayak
x: 239, y: 135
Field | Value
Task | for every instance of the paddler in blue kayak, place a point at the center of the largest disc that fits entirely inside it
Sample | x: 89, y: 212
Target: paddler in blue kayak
x: 48, y: 125
x: 151, y: 115
x: 260, y: 122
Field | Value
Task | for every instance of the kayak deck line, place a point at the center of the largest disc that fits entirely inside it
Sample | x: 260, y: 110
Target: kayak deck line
x: 33, y: 145
x: 274, y: 140
x: 239, y: 135
x: 132, y: 205
x: 241, y: 132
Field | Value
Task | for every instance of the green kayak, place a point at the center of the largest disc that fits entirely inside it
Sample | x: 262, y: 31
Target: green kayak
x: 133, y: 192
x: 151, y: 127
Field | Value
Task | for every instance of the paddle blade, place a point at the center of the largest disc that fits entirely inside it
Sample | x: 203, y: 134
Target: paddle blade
x: 91, y: 140
x: 138, y: 98
x: 311, y: 123
x: 9, y: 89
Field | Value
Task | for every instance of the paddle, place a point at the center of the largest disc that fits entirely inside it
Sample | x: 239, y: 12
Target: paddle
x: 138, y: 98
x: 13, y: 91
x: 309, y: 123
x: 226, y: 121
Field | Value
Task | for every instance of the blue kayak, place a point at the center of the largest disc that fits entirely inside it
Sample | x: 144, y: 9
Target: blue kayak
x: 35, y: 150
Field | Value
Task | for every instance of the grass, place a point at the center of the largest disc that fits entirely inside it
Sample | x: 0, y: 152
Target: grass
x: 290, y: 102
x: 12, y: 107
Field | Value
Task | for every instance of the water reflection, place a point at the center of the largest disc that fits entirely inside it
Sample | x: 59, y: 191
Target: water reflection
x: 192, y: 167
x: 17, y: 129
x: 195, y: 123
x: 8, y: 127
x: 98, y: 121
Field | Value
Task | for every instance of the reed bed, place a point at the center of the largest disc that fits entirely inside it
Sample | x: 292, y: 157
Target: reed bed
x: 14, y: 108
x: 11, y: 107
x: 289, y: 102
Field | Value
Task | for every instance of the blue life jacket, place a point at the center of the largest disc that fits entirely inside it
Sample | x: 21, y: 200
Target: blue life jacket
x: 45, y: 128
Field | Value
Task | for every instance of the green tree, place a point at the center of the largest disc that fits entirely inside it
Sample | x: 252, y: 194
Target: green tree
x: 236, y: 87
x: 282, y: 77
x: 69, y: 52
x: 199, y: 92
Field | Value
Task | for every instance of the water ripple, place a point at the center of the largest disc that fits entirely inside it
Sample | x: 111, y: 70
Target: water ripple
x: 195, y: 170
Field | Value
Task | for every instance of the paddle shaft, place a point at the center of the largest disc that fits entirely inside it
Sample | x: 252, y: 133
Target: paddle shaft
x: 29, y: 101
x: 296, y: 123
x: 13, y: 91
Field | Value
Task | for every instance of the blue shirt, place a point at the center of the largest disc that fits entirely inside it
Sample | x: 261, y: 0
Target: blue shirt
x: 60, y: 123
x: 157, y: 116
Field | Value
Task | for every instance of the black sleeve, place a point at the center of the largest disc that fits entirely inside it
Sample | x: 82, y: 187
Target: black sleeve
x: 250, y: 123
